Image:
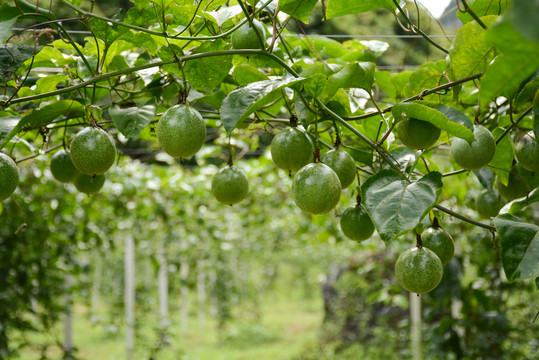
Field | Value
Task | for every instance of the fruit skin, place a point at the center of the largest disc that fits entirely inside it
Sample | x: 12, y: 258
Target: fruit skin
x: 9, y: 176
x: 516, y: 186
x: 62, y: 167
x: 356, y: 223
x: 245, y: 37
x: 477, y: 154
x: 230, y: 185
x: 89, y: 184
x: 181, y: 131
x: 316, y: 188
x: 488, y: 203
x: 527, y: 152
x: 92, y: 151
x: 291, y: 149
x: 343, y: 164
x: 440, y: 242
x: 417, y: 134
x: 419, y: 270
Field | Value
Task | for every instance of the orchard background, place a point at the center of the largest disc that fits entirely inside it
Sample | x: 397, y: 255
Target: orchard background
x: 152, y: 266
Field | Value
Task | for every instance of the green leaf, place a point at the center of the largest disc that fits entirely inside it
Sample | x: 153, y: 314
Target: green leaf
x: 246, y: 74
x: 131, y: 121
x: 243, y: 101
x: 519, y: 59
x: 357, y: 75
x: 107, y: 31
x: 523, y: 15
x: 336, y: 8
x: 443, y: 117
x: 483, y: 8
x: 423, y: 79
x: 519, y: 247
x: 300, y: 9
x: 316, y: 85
x: 6, y: 126
x: 8, y: 16
x: 396, y: 205
x: 518, y: 204
x: 470, y: 52
x: 49, y: 83
x: 11, y: 58
x: 207, y: 73
x: 527, y: 94
x: 502, y: 161
x: 45, y: 115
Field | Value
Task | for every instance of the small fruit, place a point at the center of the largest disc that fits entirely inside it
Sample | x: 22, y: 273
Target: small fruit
x: 181, y: 131
x: 62, y: 167
x: 488, y: 203
x: 438, y: 240
x: 169, y: 19
x: 9, y: 176
x: 417, y: 134
x: 527, y: 152
x: 419, y: 270
x: 356, y: 223
x: 316, y: 188
x: 230, y: 185
x: 245, y: 37
x: 291, y: 149
x: 477, y: 154
x: 516, y: 187
x: 343, y: 164
x: 89, y: 184
x: 92, y: 151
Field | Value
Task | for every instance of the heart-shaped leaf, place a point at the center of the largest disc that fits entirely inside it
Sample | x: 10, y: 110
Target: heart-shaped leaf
x: 131, y: 121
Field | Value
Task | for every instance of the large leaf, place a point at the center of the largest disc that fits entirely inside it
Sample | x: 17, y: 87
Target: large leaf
x: 131, y: 121
x: 243, y: 101
x: 107, y: 31
x: 443, y: 117
x: 300, y: 9
x: 519, y: 247
x: 357, y: 75
x: 502, y: 161
x: 6, y: 125
x: 246, y: 74
x: 45, y: 115
x: 11, y: 57
x: 518, y: 204
x: 8, y: 16
x: 396, y: 205
x: 207, y: 73
x: 519, y: 59
x: 422, y: 79
x: 484, y: 7
x: 337, y: 8
x: 523, y: 15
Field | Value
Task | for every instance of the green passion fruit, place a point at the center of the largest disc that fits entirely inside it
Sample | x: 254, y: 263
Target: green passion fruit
x: 343, y: 164
x: 419, y: 270
x: 527, y: 152
x: 316, y: 188
x: 181, y: 131
x: 92, y: 151
x: 245, y: 37
x: 62, y: 167
x: 488, y: 203
x: 438, y: 240
x: 477, y: 154
x: 516, y: 187
x: 417, y: 134
x: 291, y: 149
x: 89, y: 184
x: 230, y: 185
x: 9, y: 176
x: 356, y: 224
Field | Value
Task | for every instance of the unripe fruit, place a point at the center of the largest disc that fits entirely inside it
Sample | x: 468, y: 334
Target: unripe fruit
x: 477, y: 154
x: 419, y: 270
x: 245, y: 37
x: 516, y: 187
x: 181, y: 131
x: 89, y: 184
x: 92, y: 151
x: 230, y: 185
x: 343, y: 164
x: 440, y: 242
x: 316, y: 188
x: 169, y: 19
x: 488, y: 203
x: 291, y: 149
x: 417, y: 134
x: 356, y: 223
x: 527, y: 152
x: 9, y: 176
x: 62, y: 167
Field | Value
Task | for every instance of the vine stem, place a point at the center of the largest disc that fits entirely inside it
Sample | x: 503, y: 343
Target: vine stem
x: 513, y: 125
x: 467, y: 9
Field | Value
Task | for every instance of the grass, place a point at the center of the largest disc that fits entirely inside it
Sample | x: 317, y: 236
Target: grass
x: 288, y: 325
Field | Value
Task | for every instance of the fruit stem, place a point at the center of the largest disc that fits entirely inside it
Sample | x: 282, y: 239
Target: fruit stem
x: 183, y: 96
x: 337, y: 141
x: 358, y: 199
x: 293, y: 121
x: 419, y: 243
x: 316, y: 155
x: 435, y: 223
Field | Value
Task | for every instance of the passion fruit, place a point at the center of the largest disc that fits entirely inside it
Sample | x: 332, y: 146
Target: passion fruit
x: 417, y: 134
x: 92, y: 151
x: 62, y: 167
x: 438, y: 240
x: 475, y: 155
x: 9, y: 176
x: 527, y: 152
x: 343, y: 164
x: 89, y: 184
x: 419, y: 270
x: 291, y: 149
x: 516, y: 187
x: 356, y: 223
x: 245, y: 36
x: 488, y: 203
x: 230, y: 185
x: 316, y: 188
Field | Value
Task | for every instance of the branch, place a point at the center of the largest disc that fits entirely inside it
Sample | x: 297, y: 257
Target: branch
x: 467, y: 9
x: 514, y: 124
